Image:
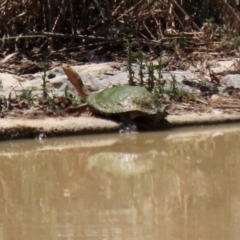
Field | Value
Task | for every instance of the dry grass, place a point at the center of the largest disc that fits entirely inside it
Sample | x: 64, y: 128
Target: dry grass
x: 85, y: 22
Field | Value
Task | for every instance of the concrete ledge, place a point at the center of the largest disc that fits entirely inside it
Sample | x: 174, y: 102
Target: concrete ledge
x: 201, y: 119
x: 31, y: 128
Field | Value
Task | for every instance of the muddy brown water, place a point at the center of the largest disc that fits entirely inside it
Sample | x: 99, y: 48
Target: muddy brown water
x: 178, y: 184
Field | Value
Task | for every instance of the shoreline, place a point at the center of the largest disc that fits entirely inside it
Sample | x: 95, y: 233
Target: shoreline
x: 11, y: 129
x: 19, y: 120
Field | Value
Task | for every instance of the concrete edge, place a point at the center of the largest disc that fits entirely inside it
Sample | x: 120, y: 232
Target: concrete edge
x: 201, y: 119
x: 52, y: 127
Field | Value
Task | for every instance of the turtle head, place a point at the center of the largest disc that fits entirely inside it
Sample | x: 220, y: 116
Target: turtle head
x: 76, y: 80
x: 155, y: 121
x: 160, y: 116
x: 162, y: 111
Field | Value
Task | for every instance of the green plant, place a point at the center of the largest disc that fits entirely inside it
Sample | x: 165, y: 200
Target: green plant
x: 25, y: 94
x: 45, y: 82
x: 159, y: 82
x: 140, y: 61
x: 2, y: 101
x: 129, y: 46
x: 76, y: 100
x: 174, y: 91
x: 151, y: 78
x: 182, y: 41
x: 153, y: 84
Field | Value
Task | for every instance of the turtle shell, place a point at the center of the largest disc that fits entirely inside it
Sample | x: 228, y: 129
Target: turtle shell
x: 124, y: 164
x: 123, y: 99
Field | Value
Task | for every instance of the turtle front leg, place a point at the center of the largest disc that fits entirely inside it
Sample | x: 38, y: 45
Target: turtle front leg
x: 127, y: 125
x: 77, y: 110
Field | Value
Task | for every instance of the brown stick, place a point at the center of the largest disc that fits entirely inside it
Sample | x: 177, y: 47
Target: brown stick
x: 75, y: 36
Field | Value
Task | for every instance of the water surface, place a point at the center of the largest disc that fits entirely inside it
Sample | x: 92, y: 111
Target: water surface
x: 178, y: 184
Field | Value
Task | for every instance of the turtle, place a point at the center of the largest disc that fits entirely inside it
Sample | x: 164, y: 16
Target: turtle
x: 122, y: 163
x: 126, y: 103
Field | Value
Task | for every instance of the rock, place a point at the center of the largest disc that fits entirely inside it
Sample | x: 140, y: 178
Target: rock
x: 120, y: 78
x: 90, y: 81
x: 221, y: 90
x: 222, y: 66
x: 57, y: 71
x: 58, y: 81
x: 231, y: 80
x: 8, y: 81
x: 179, y: 75
x: 102, y: 75
x: 97, y: 70
x: 1, y: 86
x: 215, y: 98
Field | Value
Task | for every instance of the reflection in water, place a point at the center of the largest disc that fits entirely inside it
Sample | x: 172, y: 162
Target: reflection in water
x: 122, y: 163
x: 167, y: 185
